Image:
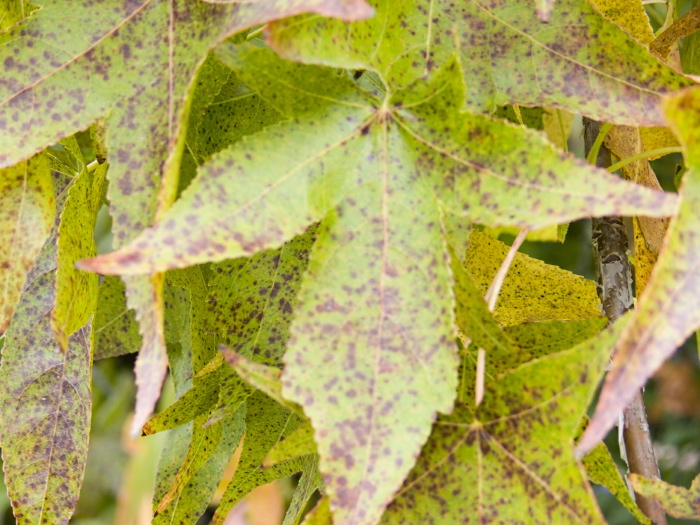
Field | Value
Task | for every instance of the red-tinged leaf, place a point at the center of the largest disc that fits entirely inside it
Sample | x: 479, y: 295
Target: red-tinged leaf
x: 669, y: 309
x: 577, y: 61
x: 45, y: 402
x: 27, y: 207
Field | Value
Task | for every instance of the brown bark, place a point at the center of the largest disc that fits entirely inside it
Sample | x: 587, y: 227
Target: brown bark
x: 614, y: 284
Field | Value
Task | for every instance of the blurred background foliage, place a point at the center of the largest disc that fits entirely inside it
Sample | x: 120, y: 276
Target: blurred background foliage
x: 119, y: 480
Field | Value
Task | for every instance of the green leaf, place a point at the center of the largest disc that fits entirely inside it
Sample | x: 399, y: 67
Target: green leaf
x: 534, y: 340
x: 669, y: 309
x: 298, y: 443
x: 116, y: 331
x: 27, y: 207
x: 309, y: 481
x: 266, y: 379
x: 45, y: 403
x: 376, y: 172
x: 513, y: 457
x: 533, y: 290
x: 266, y: 423
x: 601, y: 470
x: 14, y: 11
x: 577, y: 61
x: 679, y: 502
x: 76, y: 296
x: 320, y: 514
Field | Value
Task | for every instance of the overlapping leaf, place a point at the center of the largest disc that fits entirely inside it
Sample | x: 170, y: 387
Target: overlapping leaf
x: 115, y: 328
x: 669, y: 310
x: 532, y: 291
x: 45, y: 403
x: 372, y: 170
x: 27, y: 207
x: 513, y: 457
x: 577, y: 61
x: 679, y: 502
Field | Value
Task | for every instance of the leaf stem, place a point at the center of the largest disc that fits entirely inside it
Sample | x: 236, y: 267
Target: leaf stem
x: 614, y: 287
x: 256, y: 33
x: 644, y: 155
x: 595, y: 148
x: 491, y: 297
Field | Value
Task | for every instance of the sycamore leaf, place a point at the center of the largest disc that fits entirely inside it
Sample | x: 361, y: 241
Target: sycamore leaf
x: 266, y: 423
x: 298, y: 443
x: 376, y: 173
x: 513, y: 457
x: 45, y: 402
x: 578, y: 61
x: 27, y: 207
x: 669, y: 309
x: 679, y: 502
x: 532, y: 290
x: 115, y: 328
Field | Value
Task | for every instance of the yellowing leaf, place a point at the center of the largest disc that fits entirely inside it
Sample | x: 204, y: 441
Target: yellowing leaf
x: 669, y: 310
x: 27, y: 206
x: 298, y: 443
x: 532, y: 290
x: 630, y: 16
x: 577, y: 61
x: 679, y: 502
x: 45, y: 401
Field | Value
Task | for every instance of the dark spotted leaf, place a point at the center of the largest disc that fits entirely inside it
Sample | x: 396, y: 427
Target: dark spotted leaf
x: 266, y: 423
x: 376, y: 172
x: 309, y: 481
x: 678, y: 502
x: 669, y: 309
x: 45, y: 402
x: 577, y: 61
x: 601, y: 470
x: 512, y: 457
x: 115, y: 328
x: 27, y: 208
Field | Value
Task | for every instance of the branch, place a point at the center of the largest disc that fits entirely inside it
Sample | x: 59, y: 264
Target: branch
x: 614, y: 278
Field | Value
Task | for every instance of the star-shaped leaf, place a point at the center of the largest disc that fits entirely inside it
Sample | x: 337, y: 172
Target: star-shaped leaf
x: 511, y: 460
x: 577, y: 60
x: 669, y: 309
x: 378, y: 174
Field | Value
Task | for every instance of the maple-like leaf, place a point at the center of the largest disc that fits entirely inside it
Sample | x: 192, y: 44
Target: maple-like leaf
x: 512, y: 459
x: 669, y: 309
x: 376, y: 172
x: 577, y: 61
x: 134, y: 61
x: 45, y: 402
x: 27, y: 207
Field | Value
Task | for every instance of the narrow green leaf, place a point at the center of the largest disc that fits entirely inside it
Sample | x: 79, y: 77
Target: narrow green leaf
x: 266, y: 379
x: 669, y: 309
x: 320, y: 514
x: 513, y: 457
x: 298, y: 443
x: 578, y: 61
x: 266, y: 423
x: 27, y: 208
x: 116, y: 331
x: 13, y: 12
x: 45, y: 403
x: 76, y: 295
x: 601, y: 470
x: 309, y: 481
